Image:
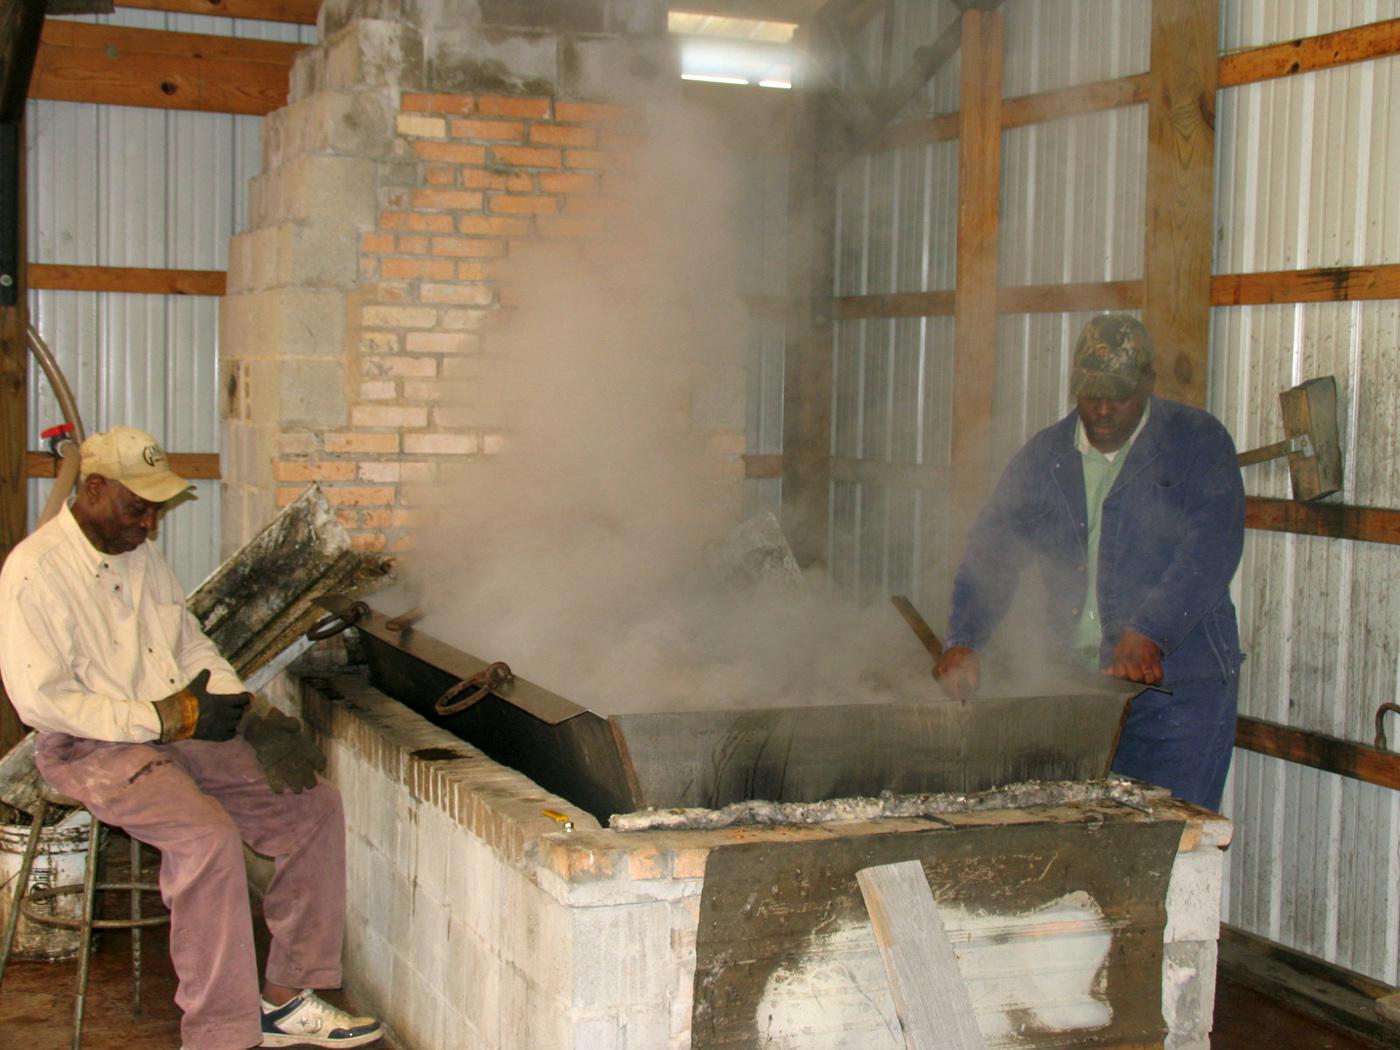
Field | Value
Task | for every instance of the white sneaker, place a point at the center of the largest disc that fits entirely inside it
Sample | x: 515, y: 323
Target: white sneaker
x: 308, y: 1020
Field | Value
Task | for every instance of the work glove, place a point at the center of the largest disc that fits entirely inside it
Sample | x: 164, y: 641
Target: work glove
x: 289, y: 757
x: 195, y: 713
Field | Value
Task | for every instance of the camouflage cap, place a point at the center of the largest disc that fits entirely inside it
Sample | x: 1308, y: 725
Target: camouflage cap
x: 1113, y: 356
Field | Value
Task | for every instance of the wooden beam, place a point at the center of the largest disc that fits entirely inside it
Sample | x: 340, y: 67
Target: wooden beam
x: 1336, y: 521
x: 14, y: 379
x: 126, y: 279
x: 897, y: 304
x: 195, y: 466
x: 975, y: 298
x: 301, y: 12
x: 1328, y: 285
x: 762, y: 467
x: 807, y: 373
x: 1065, y: 298
x: 1305, y: 55
x: 1074, y: 101
x: 1320, y: 751
x: 1180, y: 188
x: 1311, y: 53
x: 82, y: 62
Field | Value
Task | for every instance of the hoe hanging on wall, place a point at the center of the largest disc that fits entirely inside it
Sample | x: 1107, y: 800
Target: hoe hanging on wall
x: 1313, y: 450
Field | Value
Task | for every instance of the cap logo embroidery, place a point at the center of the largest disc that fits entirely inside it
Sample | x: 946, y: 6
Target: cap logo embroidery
x: 152, y: 455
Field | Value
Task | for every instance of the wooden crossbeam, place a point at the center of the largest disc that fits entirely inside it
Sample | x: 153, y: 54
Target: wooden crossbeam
x: 195, y: 466
x: 139, y: 279
x: 1305, y: 55
x: 1337, y: 521
x: 1327, y: 285
x: 81, y: 62
x: 301, y: 12
x: 1311, y: 53
x: 1320, y: 751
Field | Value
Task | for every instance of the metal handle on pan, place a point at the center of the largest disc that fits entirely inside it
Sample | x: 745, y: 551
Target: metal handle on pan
x: 332, y: 625
x: 486, y: 681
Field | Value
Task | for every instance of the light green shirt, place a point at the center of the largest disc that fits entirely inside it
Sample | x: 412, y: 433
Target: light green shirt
x: 1101, y: 470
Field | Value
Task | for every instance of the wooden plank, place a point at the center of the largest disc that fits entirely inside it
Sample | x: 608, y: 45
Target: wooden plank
x: 1064, y: 298
x: 1074, y: 101
x: 1327, y: 285
x: 1180, y: 189
x: 897, y: 304
x: 126, y: 279
x: 763, y: 467
x: 301, y: 12
x: 930, y: 997
x: 1307, y: 54
x: 1329, y: 753
x: 14, y: 383
x: 1335, y: 520
x: 83, y: 62
x: 1342, y: 998
x: 195, y: 466
x: 975, y: 299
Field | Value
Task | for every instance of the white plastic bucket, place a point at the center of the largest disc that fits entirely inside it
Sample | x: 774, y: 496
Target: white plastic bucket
x: 59, y: 861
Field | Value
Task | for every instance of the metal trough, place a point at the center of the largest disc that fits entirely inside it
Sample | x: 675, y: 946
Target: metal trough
x: 711, y: 758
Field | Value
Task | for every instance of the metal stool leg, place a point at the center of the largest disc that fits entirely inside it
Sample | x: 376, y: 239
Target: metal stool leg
x: 85, y: 934
x: 22, y: 883
x: 135, y: 928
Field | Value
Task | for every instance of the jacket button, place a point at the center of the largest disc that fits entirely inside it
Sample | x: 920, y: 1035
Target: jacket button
x: 1074, y: 611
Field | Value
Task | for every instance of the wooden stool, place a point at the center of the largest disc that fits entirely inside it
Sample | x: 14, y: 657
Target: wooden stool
x: 27, y: 901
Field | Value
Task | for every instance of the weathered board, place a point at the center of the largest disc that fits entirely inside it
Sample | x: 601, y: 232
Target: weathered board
x: 783, y: 930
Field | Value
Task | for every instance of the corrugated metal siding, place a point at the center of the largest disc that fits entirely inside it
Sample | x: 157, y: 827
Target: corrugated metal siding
x: 1307, y: 172
x: 126, y: 186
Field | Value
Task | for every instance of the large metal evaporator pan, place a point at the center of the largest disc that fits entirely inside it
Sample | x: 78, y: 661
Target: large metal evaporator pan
x: 711, y: 758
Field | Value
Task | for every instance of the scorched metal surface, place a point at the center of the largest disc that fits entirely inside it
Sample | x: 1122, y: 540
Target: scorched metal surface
x: 711, y: 758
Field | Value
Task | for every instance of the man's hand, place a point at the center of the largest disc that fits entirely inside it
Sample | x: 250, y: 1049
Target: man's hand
x: 958, y: 671
x: 195, y: 713
x: 1136, y: 658
x: 289, y: 757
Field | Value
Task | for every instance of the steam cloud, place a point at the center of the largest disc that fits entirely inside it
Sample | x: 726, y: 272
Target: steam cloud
x: 577, y: 553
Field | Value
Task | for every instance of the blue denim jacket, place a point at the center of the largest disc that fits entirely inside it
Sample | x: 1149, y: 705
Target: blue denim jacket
x: 1173, y: 530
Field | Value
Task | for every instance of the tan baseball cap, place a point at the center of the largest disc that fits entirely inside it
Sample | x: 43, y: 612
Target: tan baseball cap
x: 135, y: 459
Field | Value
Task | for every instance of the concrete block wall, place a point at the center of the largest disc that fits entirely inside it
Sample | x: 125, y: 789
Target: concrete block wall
x: 477, y: 923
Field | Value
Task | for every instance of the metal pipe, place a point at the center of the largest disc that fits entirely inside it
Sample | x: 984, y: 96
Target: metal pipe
x: 63, y: 483
x: 66, y: 402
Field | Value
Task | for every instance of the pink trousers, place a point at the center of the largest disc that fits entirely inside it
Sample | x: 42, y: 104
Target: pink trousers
x: 198, y: 802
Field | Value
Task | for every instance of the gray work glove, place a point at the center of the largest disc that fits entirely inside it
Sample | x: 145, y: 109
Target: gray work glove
x: 289, y: 757
x: 195, y: 713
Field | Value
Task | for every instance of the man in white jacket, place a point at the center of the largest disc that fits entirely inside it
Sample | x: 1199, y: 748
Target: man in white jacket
x: 137, y: 714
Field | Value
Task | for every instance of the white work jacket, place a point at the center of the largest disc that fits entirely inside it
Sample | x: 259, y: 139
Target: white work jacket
x: 89, y: 641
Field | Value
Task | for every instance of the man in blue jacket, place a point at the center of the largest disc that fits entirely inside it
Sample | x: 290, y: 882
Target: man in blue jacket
x: 1133, y: 508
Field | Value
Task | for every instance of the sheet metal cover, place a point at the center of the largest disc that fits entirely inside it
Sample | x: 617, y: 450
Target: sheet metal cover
x: 548, y: 707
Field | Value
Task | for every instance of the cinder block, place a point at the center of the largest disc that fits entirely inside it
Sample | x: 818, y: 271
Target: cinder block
x: 467, y: 61
x: 1194, y: 896
x: 613, y: 69
x: 318, y: 255
x: 374, y: 52
x: 1188, y: 990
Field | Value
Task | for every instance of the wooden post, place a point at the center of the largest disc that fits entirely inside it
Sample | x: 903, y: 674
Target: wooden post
x: 975, y: 298
x: 1180, y: 193
x: 14, y: 507
x: 807, y: 369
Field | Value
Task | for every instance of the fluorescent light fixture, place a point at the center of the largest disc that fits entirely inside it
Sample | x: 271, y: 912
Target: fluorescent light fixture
x: 786, y: 85
x: 713, y: 80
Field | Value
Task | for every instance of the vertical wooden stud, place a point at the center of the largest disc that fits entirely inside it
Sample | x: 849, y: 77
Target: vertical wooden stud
x: 975, y: 298
x: 1180, y: 193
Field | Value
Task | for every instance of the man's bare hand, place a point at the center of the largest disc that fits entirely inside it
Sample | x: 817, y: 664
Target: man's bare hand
x: 958, y: 672
x: 1136, y: 658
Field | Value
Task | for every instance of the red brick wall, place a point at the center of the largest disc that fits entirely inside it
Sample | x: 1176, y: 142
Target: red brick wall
x: 494, y: 175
